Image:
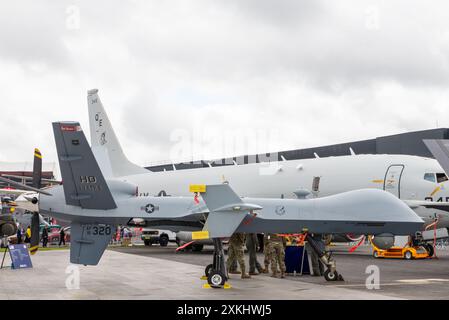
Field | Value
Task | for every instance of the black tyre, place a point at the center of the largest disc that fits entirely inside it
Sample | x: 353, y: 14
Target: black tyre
x: 408, y: 255
x: 197, y: 247
x: 330, y: 275
x: 147, y: 242
x: 208, y: 269
x: 216, y: 279
x: 163, y: 240
x: 430, y: 249
x: 376, y: 254
x: 8, y: 229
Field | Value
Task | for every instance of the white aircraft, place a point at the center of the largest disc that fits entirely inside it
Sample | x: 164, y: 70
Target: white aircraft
x: 419, y: 182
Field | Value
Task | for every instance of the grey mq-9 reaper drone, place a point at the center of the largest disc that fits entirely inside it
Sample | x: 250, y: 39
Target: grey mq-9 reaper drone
x: 95, y: 206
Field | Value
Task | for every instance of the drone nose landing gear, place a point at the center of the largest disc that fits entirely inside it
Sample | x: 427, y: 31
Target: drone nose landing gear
x: 325, y: 257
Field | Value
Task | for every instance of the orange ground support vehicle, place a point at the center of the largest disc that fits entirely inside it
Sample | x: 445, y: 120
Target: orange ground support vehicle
x: 408, y: 252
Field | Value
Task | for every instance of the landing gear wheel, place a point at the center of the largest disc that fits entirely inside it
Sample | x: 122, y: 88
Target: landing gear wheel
x: 216, y: 279
x: 430, y: 250
x: 331, y: 275
x: 208, y: 269
x: 408, y: 255
x: 163, y: 240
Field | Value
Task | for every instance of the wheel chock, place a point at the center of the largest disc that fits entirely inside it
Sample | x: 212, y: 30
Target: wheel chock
x: 225, y: 286
x: 203, y: 278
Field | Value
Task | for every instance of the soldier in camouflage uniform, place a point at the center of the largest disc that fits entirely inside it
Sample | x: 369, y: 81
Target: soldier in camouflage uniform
x: 235, y: 252
x: 277, y: 254
x: 232, y: 263
x: 267, y: 253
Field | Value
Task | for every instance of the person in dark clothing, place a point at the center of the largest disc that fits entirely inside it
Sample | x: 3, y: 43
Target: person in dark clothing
x: 61, y: 237
x: 19, y: 235
x: 260, y: 242
x: 251, y: 245
x: 44, y: 237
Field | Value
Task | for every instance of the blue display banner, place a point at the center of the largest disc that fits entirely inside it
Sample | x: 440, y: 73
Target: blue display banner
x: 20, y: 256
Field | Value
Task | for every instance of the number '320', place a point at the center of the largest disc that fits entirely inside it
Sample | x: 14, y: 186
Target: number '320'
x: 101, y: 230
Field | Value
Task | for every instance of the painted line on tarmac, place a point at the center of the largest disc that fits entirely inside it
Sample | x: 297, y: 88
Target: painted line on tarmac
x: 398, y: 283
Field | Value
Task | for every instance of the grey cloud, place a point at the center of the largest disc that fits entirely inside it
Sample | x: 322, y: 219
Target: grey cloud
x: 30, y: 32
x: 288, y: 65
x: 281, y: 13
x: 331, y: 47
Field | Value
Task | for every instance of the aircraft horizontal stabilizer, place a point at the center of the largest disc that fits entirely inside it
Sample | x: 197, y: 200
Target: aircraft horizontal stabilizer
x: 226, y: 211
x: 23, y: 186
x: 88, y: 242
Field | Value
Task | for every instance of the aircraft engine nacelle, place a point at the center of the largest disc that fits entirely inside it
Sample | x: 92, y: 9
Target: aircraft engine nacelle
x: 383, y: 241
x: 7, y: 228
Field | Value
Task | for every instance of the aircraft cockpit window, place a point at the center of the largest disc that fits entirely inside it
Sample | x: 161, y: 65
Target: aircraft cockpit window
x: 441, y: 177
x: 429, y: 177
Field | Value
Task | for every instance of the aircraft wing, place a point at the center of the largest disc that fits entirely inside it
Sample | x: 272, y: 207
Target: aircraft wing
x: 23, y: 186
x: 226, y: 210
x: 428, y: 204
x: 16, y: 192
x: 53, y: 181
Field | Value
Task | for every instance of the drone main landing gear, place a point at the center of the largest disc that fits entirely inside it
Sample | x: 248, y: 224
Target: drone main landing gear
x: 216, y: 273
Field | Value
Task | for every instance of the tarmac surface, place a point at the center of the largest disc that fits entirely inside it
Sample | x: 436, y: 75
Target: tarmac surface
x: 140, y: 272
x: 399, y: 279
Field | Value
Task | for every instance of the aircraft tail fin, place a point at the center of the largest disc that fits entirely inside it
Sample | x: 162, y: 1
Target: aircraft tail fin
x: 37, y: 169
x: 84, y: 184
x: 226, y: 210
x: 105, y: 145
x: 440, y: 150
x: 89, y: 241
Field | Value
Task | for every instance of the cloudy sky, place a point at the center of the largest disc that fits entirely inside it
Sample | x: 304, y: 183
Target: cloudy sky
x: 229, y: 77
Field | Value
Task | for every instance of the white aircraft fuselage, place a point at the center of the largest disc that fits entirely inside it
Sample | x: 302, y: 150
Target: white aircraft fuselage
x: 401, y: 175
x: 410, y: 178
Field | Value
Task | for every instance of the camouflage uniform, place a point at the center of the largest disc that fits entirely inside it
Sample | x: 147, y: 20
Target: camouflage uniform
x: 277, y: 254
x: 235, y: 252
x: 266, y: 252
x: 232, y: 263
